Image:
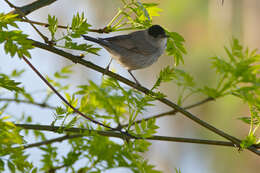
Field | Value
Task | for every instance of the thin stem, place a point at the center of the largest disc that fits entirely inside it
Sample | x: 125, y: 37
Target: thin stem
x: 90, y: 132
x: 59, y: 139
x: 114, y: 18
x: 101, y: 30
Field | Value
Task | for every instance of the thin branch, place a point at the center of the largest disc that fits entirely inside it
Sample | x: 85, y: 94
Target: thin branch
x: 43, y: 105
x: 142, y: 89
x: 173, y: 112
x: 59, y: 139
x: 27, y: 9
x: 54, y: 169
x: 90, y: 132
x: 101, y: 30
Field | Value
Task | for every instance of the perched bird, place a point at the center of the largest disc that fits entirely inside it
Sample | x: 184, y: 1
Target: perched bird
x: 136, y: 50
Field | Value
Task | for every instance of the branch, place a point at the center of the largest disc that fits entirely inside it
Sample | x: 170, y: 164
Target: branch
x: 101, y: 30
x: 90, y: 132
x: 59, y: 139
x: 27, y: 9
x: 43, y: 105
x: 78, y: 59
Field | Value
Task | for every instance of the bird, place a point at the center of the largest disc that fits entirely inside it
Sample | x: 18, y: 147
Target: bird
x: 135, y: 50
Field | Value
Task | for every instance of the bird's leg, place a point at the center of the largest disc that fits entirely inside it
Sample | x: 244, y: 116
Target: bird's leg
x: 107, y: 68
x: 129, y: 71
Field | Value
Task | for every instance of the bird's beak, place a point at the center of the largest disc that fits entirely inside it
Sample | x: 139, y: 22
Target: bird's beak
x: 165, y: 36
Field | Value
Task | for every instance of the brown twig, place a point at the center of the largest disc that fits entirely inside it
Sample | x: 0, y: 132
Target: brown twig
x: 101, y: 30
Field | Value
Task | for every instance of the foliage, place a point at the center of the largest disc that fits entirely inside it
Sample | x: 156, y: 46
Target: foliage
x: 111, y: 103
x: 15, y: 42
x: 254, y: 122
x: 11, y: 154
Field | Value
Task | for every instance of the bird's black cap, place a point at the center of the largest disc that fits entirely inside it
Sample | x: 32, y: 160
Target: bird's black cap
x: 156, y: 30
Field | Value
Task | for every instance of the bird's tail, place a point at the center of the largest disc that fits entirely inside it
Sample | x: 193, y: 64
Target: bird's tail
x: 99, y: 41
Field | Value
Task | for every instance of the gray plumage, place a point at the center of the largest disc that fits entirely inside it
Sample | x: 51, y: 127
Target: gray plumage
x: 136, y: 50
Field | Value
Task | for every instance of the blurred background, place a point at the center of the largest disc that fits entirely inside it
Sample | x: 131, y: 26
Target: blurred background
x: 207, y: 27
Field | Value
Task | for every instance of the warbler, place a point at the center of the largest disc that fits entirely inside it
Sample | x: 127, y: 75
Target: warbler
x: 136, y: 50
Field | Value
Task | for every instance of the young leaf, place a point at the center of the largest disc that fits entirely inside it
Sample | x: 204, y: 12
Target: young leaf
x: 53, y: 25
x: 9, y: 84
x: 175, y: 47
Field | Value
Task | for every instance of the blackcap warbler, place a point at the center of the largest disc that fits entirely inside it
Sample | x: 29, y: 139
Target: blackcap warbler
x: 136, y: 50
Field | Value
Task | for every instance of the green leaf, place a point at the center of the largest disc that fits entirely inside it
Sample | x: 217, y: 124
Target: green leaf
x: 175, y: 47
x: 11, y: 166
x: 64, y: 72
x: 9, y: 84
x: 2, y: 164
x: 166, y: 74
x: 210, y: 92
x: 15, y: 42
x: 35, y: 170
x: 60, y: 111
x: 8, y: 19
x: 17, y: 73
x: 79, y: 25
x: 248, y: 120
x: 177, y: 170
x: 250, y: 140
x: 53, y: 25
x: 83, y: 47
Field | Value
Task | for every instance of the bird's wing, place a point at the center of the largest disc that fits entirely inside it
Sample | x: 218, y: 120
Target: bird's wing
x: 132, y: 43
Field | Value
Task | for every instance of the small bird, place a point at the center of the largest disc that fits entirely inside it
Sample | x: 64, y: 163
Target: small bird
x: 136, y: 50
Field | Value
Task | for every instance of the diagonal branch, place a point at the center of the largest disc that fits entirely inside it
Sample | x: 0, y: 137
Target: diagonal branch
x: 77, y: 59
x: 80, y: 132
x: 27, y: 9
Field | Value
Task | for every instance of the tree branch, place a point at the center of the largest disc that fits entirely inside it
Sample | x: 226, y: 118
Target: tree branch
x: 59, y: 139
x: 90, y: 132
x: 43, y: 105
x: 78, y: 59
x: 27, y: 9
x: 101, y: 30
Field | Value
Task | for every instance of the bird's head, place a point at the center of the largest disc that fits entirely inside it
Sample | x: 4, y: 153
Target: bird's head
x: 156, y: 31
